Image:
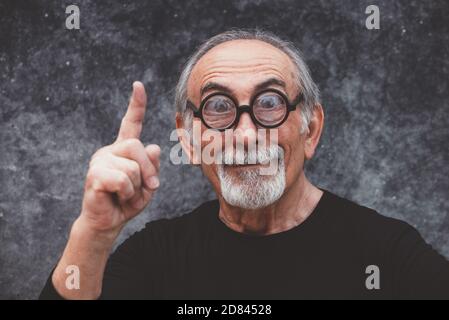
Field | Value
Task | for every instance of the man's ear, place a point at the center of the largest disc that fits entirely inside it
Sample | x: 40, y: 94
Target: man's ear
x: 312, y: 137
x: 184, y: 137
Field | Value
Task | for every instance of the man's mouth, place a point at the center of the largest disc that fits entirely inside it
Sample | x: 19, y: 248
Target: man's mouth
x: 242, y: 165
x: 246, y: 165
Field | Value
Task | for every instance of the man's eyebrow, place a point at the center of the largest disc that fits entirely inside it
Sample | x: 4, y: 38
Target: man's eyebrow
x: 263, y: 85
x: 214, y: 86
x: 270, y: 82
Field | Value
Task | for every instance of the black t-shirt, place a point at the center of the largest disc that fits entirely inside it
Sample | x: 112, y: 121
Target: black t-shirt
x: 342, y: 250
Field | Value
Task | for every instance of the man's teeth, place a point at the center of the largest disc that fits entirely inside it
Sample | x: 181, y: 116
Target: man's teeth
x: 246, y: 163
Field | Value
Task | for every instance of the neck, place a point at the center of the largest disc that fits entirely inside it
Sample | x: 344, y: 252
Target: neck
x: 293, y: 208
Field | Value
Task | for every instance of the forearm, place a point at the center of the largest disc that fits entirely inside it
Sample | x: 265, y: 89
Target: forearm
x: 120, y: 183
x: 88, y: 251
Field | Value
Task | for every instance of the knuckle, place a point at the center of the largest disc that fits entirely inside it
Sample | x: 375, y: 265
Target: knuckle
x: 99, y: 155
x: 92, y: 173
x: 96, y: 185
x: 134, y: 170
x: 92, y: 178
x: 122, y: 181
x: 95, y: 160
x: 100, y: 151
x: 133, y: 143
x: 101, y: 160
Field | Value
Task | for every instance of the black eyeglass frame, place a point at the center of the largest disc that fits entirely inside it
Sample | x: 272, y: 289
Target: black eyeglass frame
x: 291, y: 106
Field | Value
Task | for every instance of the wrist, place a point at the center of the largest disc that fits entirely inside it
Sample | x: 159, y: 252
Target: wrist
x: 83, y: 231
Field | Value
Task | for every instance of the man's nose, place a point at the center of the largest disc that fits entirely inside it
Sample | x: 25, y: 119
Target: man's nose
x: 246, y: 130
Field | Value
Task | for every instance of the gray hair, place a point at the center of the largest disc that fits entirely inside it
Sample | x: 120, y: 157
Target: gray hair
x: 304, y: 80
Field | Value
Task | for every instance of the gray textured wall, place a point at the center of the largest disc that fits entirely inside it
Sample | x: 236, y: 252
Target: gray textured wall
x: 63, y: 93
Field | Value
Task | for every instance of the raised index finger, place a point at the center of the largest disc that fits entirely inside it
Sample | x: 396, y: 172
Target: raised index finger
x: 131, y: 125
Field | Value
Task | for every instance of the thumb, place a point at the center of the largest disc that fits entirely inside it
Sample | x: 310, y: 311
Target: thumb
x: 153, y: 152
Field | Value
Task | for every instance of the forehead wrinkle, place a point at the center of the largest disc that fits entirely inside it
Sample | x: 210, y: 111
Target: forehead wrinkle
x: 224, y: 69
x: 255, y: 69
x: 222, y: 75
x: 254, y: 64
x: 233, y: 81
x: 235, y: 87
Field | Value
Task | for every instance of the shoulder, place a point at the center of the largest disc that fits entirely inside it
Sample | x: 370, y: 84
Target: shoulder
x: 363, y: 222
x: 373, y: 236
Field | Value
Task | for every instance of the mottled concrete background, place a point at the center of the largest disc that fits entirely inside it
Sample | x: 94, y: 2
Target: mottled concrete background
x: 63, y: 93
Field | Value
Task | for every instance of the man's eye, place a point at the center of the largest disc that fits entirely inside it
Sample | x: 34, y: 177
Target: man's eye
x: 219, y: 105
x: 222, y: 106
x: 268, y: 102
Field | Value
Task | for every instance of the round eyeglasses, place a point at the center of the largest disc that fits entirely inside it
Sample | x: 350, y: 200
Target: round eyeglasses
x: 268, y: 109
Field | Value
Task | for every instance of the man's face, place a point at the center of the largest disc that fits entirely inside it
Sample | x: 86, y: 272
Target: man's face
x: 238, y: 67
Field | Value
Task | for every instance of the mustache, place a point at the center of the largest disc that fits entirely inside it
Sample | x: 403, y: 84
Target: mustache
x: 259, y: 155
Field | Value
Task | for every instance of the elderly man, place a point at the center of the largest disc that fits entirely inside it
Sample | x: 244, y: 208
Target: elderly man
x: 266, y: 236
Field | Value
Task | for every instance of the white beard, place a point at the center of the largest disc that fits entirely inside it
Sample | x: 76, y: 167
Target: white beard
x: 246, y: 188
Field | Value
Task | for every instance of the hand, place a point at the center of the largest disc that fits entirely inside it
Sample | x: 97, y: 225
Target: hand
x: 123, y: 176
